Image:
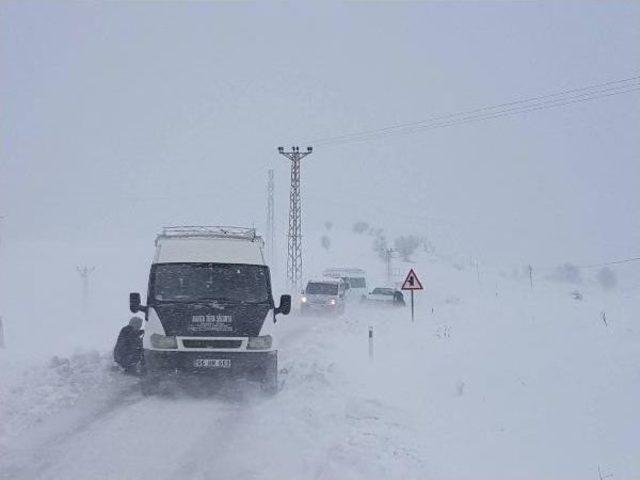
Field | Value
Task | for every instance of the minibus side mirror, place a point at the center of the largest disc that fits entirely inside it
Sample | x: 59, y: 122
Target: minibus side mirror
x: 135, y: 303
x: 285, y: 305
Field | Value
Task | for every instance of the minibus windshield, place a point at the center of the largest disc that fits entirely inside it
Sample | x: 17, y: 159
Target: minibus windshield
x: 192, y: 282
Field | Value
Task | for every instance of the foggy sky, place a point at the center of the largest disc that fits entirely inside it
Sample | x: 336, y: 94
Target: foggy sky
x: 120, y: 118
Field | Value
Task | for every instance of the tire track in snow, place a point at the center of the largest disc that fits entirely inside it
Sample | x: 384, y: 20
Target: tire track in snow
x: 31, y: 456
x: 212, y: 446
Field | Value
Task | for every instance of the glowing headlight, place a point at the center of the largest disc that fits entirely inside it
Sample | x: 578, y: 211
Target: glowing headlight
x: 259, y: 343
x: 332, y: 301
x: 303, y: 299
x: 160, y: 341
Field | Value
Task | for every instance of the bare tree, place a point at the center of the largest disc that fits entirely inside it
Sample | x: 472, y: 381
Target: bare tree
x: 325, y: 241
x: 381, y: 246
x: 360, y: 227
x: 407, y: 245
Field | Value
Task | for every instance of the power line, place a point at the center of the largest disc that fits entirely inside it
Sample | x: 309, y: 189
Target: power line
x: 566, y: 97
x: 476, y: 118
x: 614, y: 262
x: 504, y: 114
x: 593, y: 265
x: 477, y: 110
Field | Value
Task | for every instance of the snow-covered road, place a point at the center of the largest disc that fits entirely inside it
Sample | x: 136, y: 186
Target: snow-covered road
x: 487, y: 383
x: 313, y: 429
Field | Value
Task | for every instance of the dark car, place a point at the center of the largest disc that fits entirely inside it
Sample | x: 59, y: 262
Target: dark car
x: 386, y: 296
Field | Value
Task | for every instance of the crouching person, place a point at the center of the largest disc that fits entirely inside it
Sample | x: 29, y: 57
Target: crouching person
x: 128, y: 350
x: 398, y: 299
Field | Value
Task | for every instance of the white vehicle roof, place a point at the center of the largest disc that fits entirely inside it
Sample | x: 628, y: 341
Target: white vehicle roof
x: 344, y: 272
x: 330, y: 281
x: 209, y: 244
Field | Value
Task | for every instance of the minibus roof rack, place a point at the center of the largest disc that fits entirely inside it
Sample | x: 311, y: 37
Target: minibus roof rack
x: 209, y: 231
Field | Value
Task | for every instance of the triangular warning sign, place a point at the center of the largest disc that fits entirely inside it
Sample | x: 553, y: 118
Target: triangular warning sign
x: 412, y: 282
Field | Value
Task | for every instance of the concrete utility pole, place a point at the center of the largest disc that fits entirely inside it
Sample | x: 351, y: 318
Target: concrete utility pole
x: 271, y: 235
x: 84, y: 274
x: 294, y: 236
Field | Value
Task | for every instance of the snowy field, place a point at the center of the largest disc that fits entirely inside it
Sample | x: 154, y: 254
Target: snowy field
x: 494, y: 380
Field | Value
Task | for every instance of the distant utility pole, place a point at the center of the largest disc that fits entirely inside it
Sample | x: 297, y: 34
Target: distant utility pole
x: 294, y: 237
x: 531, y: 276
x: 388, y: 254
x: 84, y: 274
x: 271, y: 236
x: 1, y: 324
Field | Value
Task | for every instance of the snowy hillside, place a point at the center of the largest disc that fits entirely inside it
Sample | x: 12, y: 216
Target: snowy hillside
x: 493, y: 380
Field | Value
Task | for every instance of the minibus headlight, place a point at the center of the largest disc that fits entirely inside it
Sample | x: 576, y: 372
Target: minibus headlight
x: 303, y: 299
x: 259, y: 343
x: 160, y: 341
x: 332, y: 301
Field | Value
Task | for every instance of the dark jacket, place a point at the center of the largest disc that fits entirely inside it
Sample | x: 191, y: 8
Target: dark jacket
x: 128, y: 350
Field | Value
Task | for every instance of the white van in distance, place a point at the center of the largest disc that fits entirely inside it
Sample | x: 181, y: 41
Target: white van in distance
x: 210, y: 308
x: 355, y: 278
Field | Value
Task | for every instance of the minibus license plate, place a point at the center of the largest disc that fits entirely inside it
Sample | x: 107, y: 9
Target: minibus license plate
x: 212, y: 363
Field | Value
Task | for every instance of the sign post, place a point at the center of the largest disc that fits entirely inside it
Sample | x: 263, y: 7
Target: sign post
x: 412, y: 283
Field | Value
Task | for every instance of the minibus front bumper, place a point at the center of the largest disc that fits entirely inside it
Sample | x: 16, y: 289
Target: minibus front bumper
x: 254, y: 365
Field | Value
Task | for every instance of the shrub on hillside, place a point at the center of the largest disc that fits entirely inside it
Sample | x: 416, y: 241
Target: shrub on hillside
x: 360, y: 227
x: 607, y: 278
x: 406, y: 246
x: 427, y: 246
x: 568, y: 273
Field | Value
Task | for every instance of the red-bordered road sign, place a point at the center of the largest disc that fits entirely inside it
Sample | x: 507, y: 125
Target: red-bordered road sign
x: 412, y: 282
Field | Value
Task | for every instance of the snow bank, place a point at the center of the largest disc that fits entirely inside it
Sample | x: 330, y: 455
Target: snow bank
x: 31, y: 395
